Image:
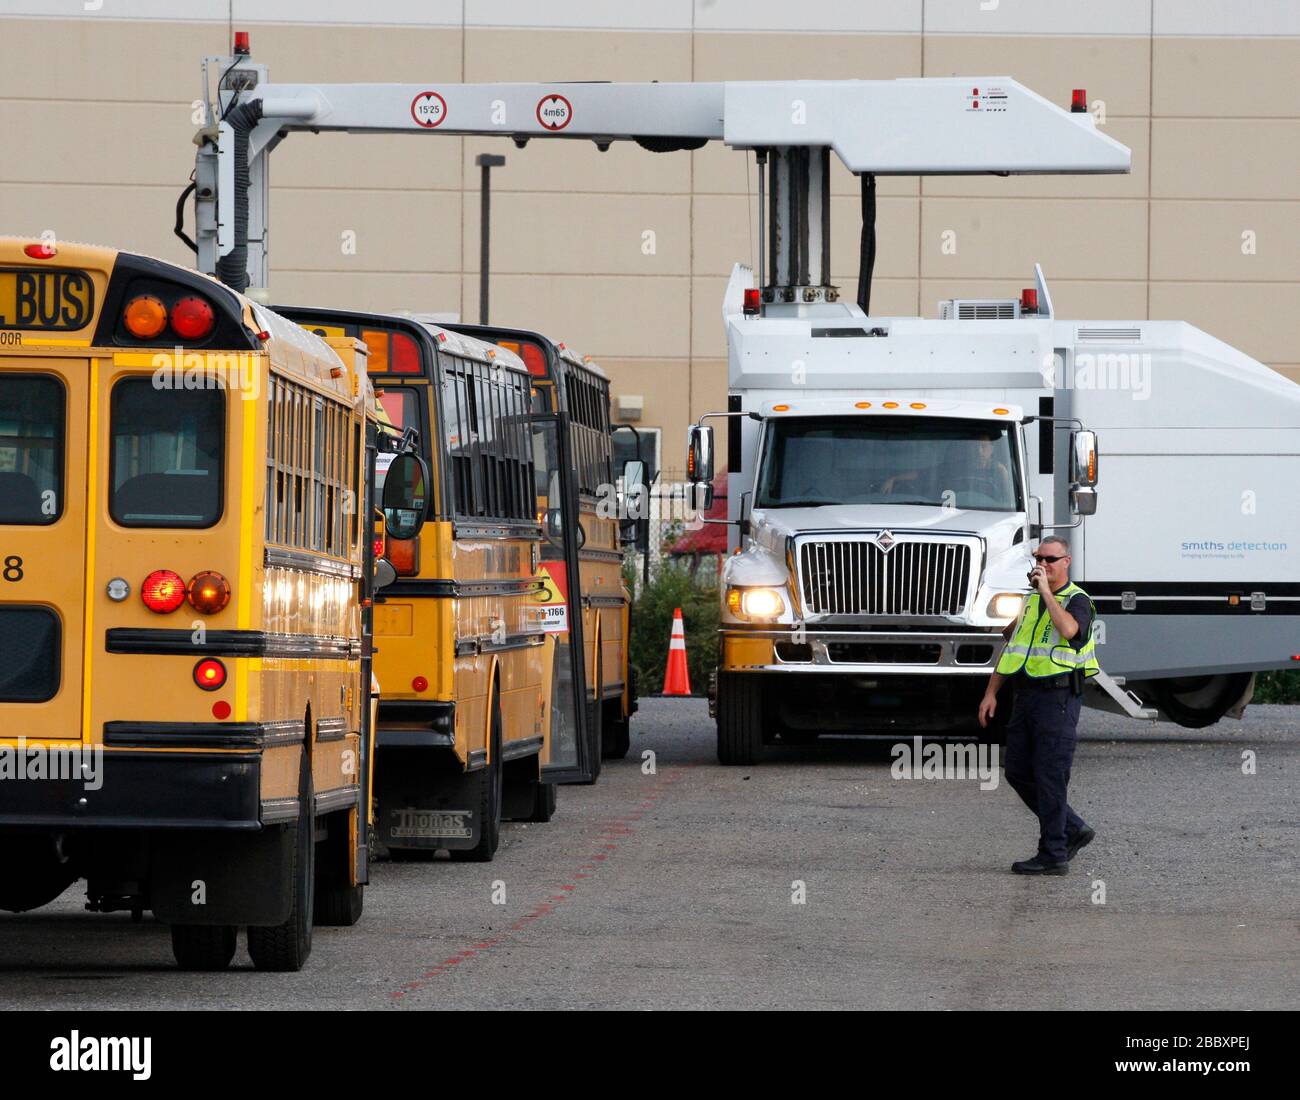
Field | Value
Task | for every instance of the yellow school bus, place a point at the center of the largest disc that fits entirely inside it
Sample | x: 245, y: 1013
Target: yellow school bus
x: 185, y: 526
x: 465, y: 666
x: 570, y: 407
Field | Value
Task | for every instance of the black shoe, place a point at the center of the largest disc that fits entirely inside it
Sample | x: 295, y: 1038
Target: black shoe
x: 1081, y: 839
x: 1040, y: 866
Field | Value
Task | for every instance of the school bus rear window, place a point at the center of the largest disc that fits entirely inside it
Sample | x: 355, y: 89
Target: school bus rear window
x: 31, y: 449
x: 167, y: 455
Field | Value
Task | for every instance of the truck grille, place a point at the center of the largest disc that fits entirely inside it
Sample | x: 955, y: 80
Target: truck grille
x: 857, y: 577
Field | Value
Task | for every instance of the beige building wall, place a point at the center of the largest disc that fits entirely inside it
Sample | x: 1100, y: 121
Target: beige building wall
x: 96, y: 117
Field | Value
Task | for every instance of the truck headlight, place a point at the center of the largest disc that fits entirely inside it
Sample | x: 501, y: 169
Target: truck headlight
x: 755, y: 603
x: 1006, y: 605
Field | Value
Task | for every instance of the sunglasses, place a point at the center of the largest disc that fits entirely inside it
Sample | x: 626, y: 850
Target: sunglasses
x: 1046, y: 558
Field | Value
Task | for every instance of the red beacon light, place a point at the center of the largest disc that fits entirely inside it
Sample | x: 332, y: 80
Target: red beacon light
x: 242, y: 48
x: 1079, y: 101
x: 1029, y: 300
x: 752, y: 302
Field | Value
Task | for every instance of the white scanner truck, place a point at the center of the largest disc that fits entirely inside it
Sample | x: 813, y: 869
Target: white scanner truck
x: 890, y: 475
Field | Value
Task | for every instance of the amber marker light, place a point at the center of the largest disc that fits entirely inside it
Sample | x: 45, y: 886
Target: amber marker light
x: 208, y: 592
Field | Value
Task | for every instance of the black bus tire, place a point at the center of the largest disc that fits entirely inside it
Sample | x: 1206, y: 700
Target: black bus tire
x: 286, y: 947
x: 491, y: 779
x: 203, y: 946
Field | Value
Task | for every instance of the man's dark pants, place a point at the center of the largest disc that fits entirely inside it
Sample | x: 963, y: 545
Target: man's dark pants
x: 1040, y: 749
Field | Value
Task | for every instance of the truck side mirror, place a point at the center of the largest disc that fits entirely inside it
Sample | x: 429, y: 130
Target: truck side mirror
x: 699, y: 453
x: 1083, y: 459
x: 701, y: 496
x: 1083, y: 501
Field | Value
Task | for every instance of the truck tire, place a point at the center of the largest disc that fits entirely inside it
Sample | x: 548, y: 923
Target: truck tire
x: 285, y: 947
x: 491, y: 779
x: 740, y: 718
x: 203, y: 946
x: 1199, y: 701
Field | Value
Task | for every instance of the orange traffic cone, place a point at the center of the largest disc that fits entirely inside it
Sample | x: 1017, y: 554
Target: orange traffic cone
x: 677, y: 681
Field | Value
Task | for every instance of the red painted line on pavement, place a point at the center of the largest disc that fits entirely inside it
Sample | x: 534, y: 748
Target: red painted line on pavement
x: 616, y: 827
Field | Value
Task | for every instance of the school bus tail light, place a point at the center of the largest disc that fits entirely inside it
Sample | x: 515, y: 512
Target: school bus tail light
x: 192, y: 318
x: 163, y: 591
x: 404, y: 556
x: 209, y: 674
x: 208, y: 592
x: 145, y: 316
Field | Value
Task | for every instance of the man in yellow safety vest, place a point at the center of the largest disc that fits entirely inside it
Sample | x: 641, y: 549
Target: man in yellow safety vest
x: 1049, y: 655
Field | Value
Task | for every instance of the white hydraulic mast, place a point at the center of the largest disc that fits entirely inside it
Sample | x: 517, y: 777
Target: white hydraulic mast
x: 920, y: 126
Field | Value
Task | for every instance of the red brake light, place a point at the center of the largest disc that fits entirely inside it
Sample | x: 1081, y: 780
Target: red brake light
x: 1079, y: 101
x: 145, y: 317
x: 403, y: 354
x: 40, y: 251
x: 163, y: 591
x: 208, y: 592
x: 419, y: 684
x: 192, y: 318
x: 209, y: 674
x: 533, y: 359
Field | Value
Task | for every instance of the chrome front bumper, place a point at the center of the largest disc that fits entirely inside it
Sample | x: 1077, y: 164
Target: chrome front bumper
x: 898, y: 653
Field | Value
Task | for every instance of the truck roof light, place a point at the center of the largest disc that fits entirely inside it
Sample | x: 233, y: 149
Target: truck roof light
x: 1029, y: 300
x: 890, y: 405
x: 1079, y: 101
x: 1001, y: 412
x: 918, y: 404
x: 780, y: 408
x: 752, y: 303
x: 862, y: 405
x: 242, y: 47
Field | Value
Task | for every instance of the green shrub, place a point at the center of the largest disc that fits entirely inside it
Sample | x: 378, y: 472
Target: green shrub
x: 652, y: 624
x: 1277, y: 687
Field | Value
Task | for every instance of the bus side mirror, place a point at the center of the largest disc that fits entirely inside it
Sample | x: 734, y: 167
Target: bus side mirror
x: 385, y: 574
x: 699, y: 453
x: 633, y: 475
x: 406, y: 496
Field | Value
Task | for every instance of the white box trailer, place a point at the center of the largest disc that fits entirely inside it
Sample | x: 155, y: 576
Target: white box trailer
x: 887, y: 594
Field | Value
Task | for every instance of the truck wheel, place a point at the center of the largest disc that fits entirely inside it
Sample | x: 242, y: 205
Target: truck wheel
x: 31, y: 873
x: 740, y: 718
x: 338, y: 902
x: 1199, y: 701
x: 490, y: 780
x: 285, y: 947
x: 615, y: 734
x: 203, y: 946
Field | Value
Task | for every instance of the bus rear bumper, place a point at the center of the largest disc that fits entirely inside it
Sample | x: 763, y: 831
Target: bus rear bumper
x: 90, y: 787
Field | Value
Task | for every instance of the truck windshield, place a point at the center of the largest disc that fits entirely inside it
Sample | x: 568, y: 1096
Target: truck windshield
x: 812, y: 461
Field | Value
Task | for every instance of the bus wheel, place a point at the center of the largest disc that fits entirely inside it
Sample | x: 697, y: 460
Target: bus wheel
x: 203, y: 946
x: 615, y: 735
x: 285, y: 947
x: 31, y: 873
x: 338, y: 902
x: 543, y: 803
x: 595, y: 726
x: 740, y: 718
x: 490, y: 781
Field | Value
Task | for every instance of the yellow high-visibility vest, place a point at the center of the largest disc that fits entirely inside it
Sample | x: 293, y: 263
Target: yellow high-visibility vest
x: 1037, y: 646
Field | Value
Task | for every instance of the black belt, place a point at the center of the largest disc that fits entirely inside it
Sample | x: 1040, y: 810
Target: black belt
x: 1044, y: 683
